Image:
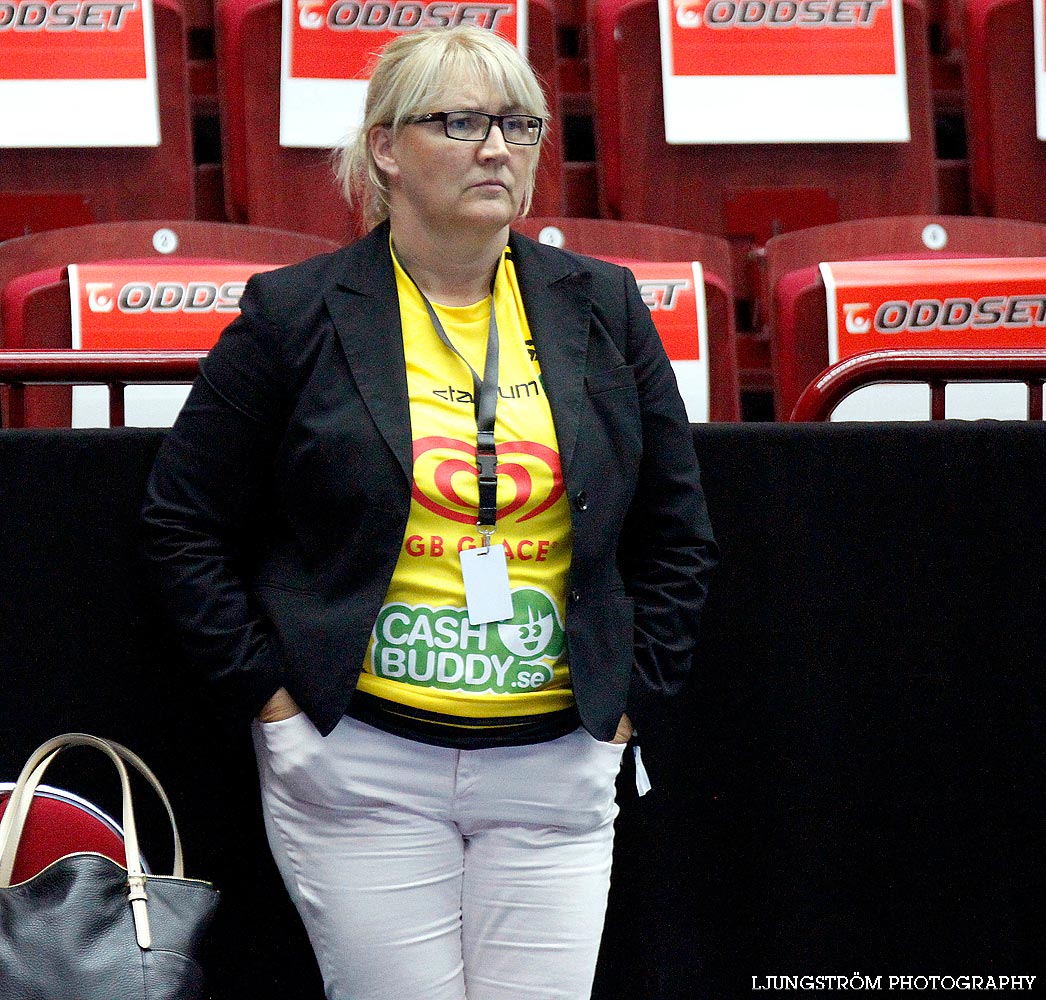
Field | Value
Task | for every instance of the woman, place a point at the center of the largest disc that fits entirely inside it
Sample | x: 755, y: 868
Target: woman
x: 432, y: 514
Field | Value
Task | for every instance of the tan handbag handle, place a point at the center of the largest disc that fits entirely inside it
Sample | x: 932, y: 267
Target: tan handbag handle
x: 13, y: 821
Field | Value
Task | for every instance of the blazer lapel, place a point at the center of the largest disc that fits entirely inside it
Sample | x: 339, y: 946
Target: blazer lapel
x: 557, y: 295
x: 365, y: 309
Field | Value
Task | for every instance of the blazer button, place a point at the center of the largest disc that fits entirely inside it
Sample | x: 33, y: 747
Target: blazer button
x: 574, y: 597
x: 581, y: 500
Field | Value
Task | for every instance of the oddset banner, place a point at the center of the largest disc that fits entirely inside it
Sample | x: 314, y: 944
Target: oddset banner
x: 675, y: 295
x: 329, y: 47
x: 877, y: 305
x: 783, y: 71
x: 79, y: 73
x: 125, y: 306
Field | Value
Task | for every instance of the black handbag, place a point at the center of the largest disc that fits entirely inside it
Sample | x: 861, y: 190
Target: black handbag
x: 86, y: 928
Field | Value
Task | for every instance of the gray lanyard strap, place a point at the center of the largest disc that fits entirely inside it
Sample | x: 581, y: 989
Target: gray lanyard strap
x: 485, y: 400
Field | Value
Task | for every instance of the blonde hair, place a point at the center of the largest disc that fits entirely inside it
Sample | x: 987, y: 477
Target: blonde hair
x: 409, y: 78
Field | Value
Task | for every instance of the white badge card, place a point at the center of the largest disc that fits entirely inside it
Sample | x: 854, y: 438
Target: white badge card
x: 487, y: 595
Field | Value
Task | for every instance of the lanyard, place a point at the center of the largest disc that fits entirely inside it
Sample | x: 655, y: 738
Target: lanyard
x: 485, y: 400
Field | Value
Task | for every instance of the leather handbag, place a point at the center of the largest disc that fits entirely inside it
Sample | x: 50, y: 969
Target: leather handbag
x: 86, y: 928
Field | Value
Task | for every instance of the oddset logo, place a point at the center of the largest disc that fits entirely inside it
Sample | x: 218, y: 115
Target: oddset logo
x: 530, y: 479
x: 136, y: 297
x: 690, y: 13
x: 398, y: 15
x: 777, y: 13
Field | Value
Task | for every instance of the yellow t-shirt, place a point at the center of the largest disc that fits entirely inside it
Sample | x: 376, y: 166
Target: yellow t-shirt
x: 428, y: 673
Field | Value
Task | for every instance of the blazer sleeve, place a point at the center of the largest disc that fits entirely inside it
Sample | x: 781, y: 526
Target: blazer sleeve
x: 667, y: 551
x: 201, y: 507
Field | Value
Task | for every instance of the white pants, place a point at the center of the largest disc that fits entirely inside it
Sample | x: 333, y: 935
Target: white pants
x: 423, y: 873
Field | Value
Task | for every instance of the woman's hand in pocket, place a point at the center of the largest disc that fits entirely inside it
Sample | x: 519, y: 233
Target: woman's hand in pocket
x: 279, y: 707
x: 624, y: 730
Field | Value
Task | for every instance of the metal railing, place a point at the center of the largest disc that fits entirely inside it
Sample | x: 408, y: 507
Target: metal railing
x: 936, y: 368
x: 115, y: 369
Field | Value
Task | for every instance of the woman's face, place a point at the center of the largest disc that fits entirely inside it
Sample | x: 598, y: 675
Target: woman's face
x: 446, y: 185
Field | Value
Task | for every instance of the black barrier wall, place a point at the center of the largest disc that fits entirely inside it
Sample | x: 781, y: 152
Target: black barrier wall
x: 854, y: 781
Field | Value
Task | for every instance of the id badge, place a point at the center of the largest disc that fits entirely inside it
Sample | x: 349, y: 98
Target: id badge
x: 487, y: 595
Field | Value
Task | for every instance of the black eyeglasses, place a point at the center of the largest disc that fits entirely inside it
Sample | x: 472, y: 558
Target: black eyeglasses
x: 475, y: 126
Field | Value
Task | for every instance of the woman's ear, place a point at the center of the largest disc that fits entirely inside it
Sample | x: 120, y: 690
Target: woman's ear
x: 380, y: 141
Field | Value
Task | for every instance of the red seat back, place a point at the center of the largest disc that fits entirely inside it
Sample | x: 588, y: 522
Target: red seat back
x: 743, y: 192
x: 60, y: 823
x: 267, y: 184
x: 1007, y: 161
x: 633, y: 241
x: 796, y: 305
x: 34, y: 285
x: 48, y: 188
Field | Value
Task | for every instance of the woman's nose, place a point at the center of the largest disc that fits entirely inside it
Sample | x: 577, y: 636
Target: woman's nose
x: 494, y: 144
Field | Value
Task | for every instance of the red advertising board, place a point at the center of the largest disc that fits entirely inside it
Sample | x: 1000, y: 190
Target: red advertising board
x: 77, y: 73
x: 974, y: 303
x: 881, y: 305
x: 338, y: 39
x: 782, y: 37
x: 674, y: 293
x: 72, y: 40
x: 754, y: 70
x: 181, y: 306
x: 127, y: 306
x: 329, y: 47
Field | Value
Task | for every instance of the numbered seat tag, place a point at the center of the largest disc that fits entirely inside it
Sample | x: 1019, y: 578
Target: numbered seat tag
x: 487, y: 594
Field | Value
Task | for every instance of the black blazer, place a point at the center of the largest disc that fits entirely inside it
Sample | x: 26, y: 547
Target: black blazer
x: 277, y: 506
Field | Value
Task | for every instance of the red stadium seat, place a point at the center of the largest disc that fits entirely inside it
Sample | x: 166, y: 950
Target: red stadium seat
x: 624, y: 242
x: 795, y: 303
x: 1008, y: 162
x: 743, y: 192
x: 199, y: 13
x: 34, y: 287
x: 47, y: 188
x: 61, y: 823
x: 270, y: 185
